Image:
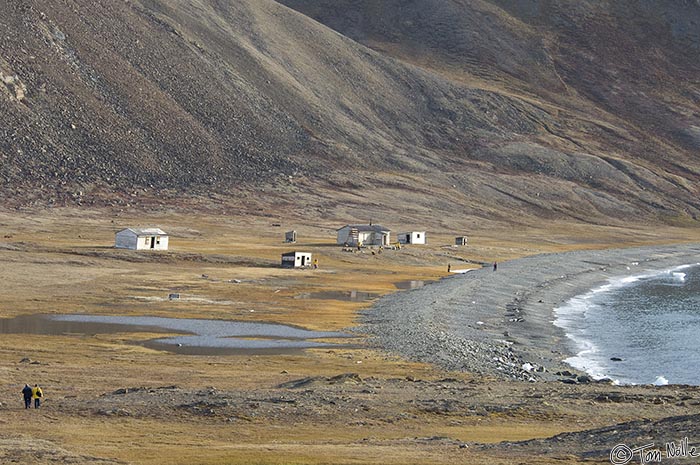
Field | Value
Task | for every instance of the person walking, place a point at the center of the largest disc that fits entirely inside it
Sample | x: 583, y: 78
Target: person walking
x: 495, y: 266
x: 27, y: 393
x: 37, y: 394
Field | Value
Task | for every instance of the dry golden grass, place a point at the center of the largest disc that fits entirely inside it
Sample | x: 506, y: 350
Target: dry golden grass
x: 65, y: 264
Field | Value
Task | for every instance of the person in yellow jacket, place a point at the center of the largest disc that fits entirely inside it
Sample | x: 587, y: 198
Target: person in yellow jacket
x: 37, y: 394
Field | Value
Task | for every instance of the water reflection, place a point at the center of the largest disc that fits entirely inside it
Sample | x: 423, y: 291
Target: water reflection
x: 350, y: 296
x: 196, y: 336
x: 409, y: 284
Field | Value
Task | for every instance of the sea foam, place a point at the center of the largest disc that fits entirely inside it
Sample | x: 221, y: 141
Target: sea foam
x: 572, y: 318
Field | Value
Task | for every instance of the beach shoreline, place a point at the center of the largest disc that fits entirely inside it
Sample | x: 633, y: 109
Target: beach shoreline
x: 500, y: 323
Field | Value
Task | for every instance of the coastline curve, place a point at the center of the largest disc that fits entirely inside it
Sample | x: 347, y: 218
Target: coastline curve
x: 501, y: 323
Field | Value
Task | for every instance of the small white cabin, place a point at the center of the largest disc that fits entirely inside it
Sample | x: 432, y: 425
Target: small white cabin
x: 141, y: 239
x: 364, y: 234
x: 413, y: 237
x: 296, y: 259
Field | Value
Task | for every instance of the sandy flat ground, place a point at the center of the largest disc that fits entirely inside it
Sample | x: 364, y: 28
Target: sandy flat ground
x: 109, y: 399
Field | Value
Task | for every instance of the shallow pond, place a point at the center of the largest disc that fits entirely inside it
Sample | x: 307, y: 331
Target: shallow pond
x: 410, y: 284
x: 350, y: 296
x: 195, y: 336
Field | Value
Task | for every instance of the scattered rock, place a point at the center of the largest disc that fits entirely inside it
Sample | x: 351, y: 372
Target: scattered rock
x: 119, y: 412
x: 128, y: 390
x: 346, y: 378
x: 297, y: 383
x: 612, y: 397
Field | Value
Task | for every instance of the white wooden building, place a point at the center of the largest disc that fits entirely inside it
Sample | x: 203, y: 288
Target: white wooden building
x: 141, y: 239
x: 364, y: 234
x: 413, y: 237
x: 296, y: 259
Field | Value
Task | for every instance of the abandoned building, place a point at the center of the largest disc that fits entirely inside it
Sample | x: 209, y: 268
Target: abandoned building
x: 364, y: 234
x: 141, y: 239
x: 413, y: 237
x: 296, y: 259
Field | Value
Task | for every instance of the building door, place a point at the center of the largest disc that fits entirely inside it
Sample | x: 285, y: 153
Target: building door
x: 303, y: 260
x: 153, y: 242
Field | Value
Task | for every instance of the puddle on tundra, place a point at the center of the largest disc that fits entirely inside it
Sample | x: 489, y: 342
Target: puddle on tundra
x: 194, y: 336
x: 350, y: 296
x: 410, y: 284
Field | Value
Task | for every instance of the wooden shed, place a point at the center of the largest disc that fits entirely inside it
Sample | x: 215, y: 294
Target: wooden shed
x: 296, y: 259
x: 141, y: 239
x: 413, y: 237
x: 461, y: 240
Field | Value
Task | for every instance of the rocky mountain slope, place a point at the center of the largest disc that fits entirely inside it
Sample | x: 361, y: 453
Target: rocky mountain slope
x: 583, y: 110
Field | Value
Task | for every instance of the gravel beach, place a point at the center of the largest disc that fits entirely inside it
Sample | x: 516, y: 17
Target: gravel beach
x: 500, y: 323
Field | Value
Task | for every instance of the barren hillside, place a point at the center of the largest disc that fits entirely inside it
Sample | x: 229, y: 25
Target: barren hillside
x: 583, y: 110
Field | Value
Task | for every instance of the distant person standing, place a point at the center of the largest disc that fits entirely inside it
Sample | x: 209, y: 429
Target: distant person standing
x: 495, y: 266
x: 315, y: 263
x: 37, y: 394
x: 27, y: 393
x: 449, y: 267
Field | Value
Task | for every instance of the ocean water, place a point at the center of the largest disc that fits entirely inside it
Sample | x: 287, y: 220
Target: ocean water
x: 638, y: 329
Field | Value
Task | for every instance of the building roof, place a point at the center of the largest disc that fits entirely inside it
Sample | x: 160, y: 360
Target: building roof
x: 146, y: 231
x: 366, y: 227
x: 289, y: 254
